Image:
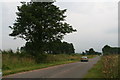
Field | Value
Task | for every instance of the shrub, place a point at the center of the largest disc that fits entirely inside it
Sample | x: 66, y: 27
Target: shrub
x: 110, y: 66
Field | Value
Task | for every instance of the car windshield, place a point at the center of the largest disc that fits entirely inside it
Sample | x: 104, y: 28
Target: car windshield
x: 84, y: 57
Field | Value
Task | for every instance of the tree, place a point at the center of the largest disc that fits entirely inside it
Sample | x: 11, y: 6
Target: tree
x: 83, y: 53
x: 110, y: 50
x: 39, y: 24
x: 106, y: 49
x: 72, y: 48
x: 87, y: 52
x: 58, y: 47
x: 67, y: 48
x: 91, y: 51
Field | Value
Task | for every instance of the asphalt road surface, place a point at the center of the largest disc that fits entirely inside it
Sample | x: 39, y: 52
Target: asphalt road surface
x: 71, y: 70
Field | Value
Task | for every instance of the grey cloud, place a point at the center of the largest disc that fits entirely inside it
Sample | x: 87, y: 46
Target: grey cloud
x: 92, y: 21
x: 77, y: 7
x: 112, y: 30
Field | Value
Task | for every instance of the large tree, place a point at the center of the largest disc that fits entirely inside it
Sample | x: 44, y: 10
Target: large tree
x: 58, y: 47
x: 106, y: 49
x: 110, y: 50
x: 91, y: 51
x: 40, y: 23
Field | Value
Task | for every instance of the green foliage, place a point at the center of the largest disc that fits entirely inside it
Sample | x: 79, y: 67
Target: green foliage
x: 110, y: 50
x: 91, y: 52
x: 58, y: 47
x: 110, y: 66
x: 107, y: 68
x: 40, y: 24
x: 11, y: 61
x: 14, y: 62
x: 41, y: 58
x: 95, y: 71
x: 106, y: 49
x: 54, y: 47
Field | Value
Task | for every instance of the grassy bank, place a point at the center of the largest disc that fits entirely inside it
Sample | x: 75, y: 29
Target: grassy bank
x: 107, y: 67
x: 14, y: 63
x: 33, y: 67
x: 96, y: 71
x: 110, y: 66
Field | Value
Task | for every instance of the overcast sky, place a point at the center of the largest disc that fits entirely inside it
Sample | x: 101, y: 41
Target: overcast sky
x: 96, y: 24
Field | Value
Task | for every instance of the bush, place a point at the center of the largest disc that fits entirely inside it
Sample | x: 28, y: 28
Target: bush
x: 14, y: 61
x: 110, y: 66
x: 41, y: 58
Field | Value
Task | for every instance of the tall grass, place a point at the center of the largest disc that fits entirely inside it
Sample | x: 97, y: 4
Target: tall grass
x: 110, y: 66
x: 107, y: 67
x: 16, y: 62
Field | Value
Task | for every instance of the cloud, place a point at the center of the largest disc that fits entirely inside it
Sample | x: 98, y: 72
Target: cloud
x: 14, y: 0
x: 93, y: 26
x: 77, y: 7
x: 87, y: 0
x: 9, y: 16
x: 96, y: 24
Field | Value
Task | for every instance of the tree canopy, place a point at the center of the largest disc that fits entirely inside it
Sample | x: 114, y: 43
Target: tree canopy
x: 91, y: 51
x: 40, y: 23
x: 110, y: 50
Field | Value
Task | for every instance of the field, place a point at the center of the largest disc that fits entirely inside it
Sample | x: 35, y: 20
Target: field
x: 16, y: 62
x: 107, y: 67
x: 13, y: 63
x: 110, y: 66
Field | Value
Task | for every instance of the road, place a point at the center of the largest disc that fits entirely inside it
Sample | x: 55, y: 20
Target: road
x: 71, y: 70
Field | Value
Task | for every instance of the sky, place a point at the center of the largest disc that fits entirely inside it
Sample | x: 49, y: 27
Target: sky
x: 96, y: 23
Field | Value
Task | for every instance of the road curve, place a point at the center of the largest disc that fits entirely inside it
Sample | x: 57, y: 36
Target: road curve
x: 71, y: 70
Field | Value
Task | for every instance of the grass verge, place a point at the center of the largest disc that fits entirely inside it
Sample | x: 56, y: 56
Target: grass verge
x: 106, y: 68
x: 96, y: 71
x: 14, y: 62
x: 37, y: 66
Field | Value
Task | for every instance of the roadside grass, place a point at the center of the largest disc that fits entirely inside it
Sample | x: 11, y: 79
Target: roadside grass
x: 34, y: 67
x: 96, y: 71
x: 91, y: 56
x: 14, y: 62
x: 110, y: 66
x: 106, y: 68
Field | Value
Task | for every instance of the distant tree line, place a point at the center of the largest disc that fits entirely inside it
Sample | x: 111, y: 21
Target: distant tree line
x: 110, y: 50
x: 58, y: 47
x: 55, y: 47
x: 91, y: 51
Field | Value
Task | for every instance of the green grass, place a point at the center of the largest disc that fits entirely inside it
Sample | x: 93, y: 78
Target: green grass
x: 34, y: 67
x: 96, y: 71
x: 14, y: 63
x: 110, y: 66
x: 106, y: 68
